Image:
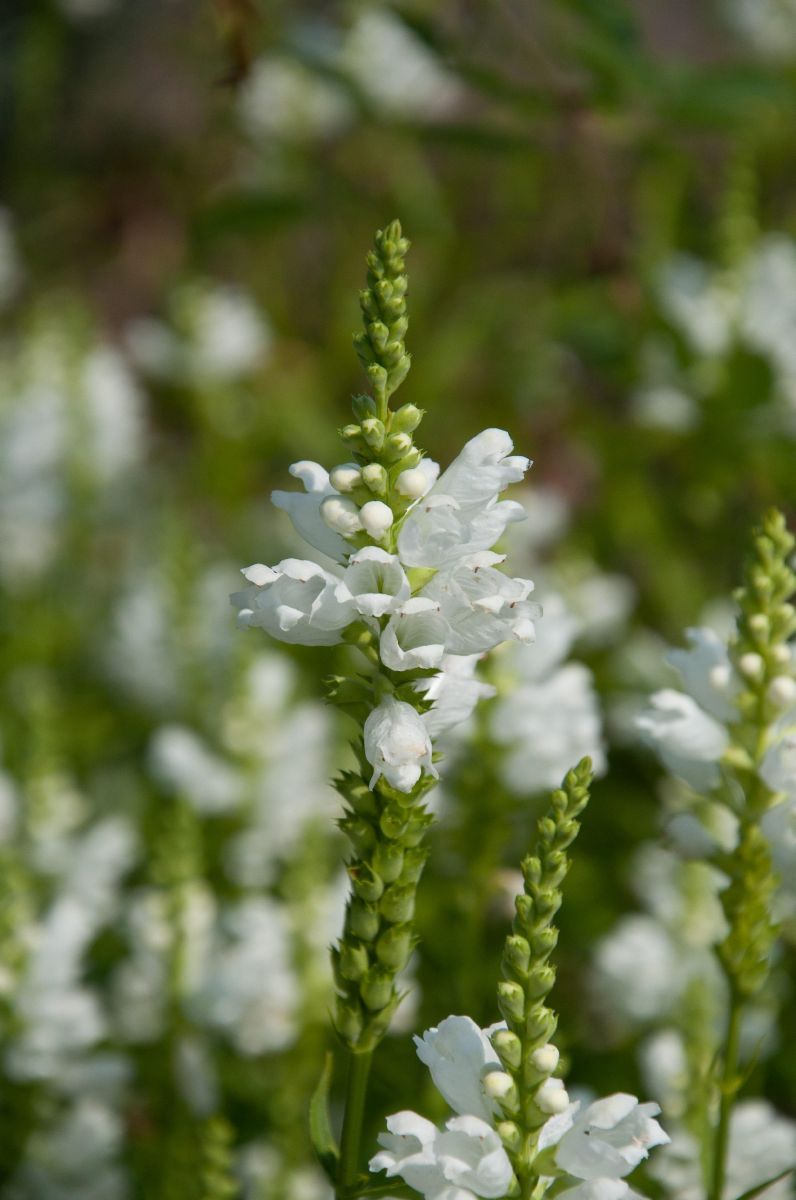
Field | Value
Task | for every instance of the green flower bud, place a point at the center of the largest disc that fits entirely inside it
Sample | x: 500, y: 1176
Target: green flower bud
x: 352, y: 961
x: 517, y: 954
x: 407, y: 418
x: 375, y: 478
x: 407, y: 463
x: 393, y: 821
x: 365, y: 882
x: 398, y: 903
x: 364, y: 407
x: 351, y: 433
x: 511, y: 1000
x: 394, y: 946
x: 373, y: 433
x: 414, y: 861
x: 540, y: 981
x: 508, y: 1048
x: 397, y: 446
x: 363, y: 920
x: 359, y: 833
x: 510, y: 1136
x: 379, y: 334
x: 378, y: 377
x: 544, y: 942
x: 376, y: 988
x: 388, y: 861
x: 348, y: 1020
x: 417, y: 827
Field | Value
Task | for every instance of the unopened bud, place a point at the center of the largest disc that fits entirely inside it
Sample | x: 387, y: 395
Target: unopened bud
x: 388, y: 861
x: 407, y: 418
x: 353, y: 961
x: 348, y: 1020
x: 351, y: 433
x: 781, y: 655
x: 552, y: 1096
x: 499, y: 1085
x: 511, y: 1000
x: 508, y: 1048
x: 341, y: 515
x: 412, y: 484
x: 363, y: 920
x: 394, y: 946
x: 545, y: 1059
x: 376, y: 988
x: 510, y: 1135
x: 364, y: 407
x: 518, y: 953
x: 398, y: 903
x: 782, y: 691
x: 759, y: 623
x: 373, y: 432
x: 374, y: 478
x: 719, y: 676
x: 751, y: 665
x: 376, y: 517
x: 397, y: 445
x: 345, y: 477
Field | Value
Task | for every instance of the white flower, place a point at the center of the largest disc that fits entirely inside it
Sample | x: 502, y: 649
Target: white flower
x: 482, y: 606
x: 688, y: 740
x: 461, y: 514
x: 610, y: 1138
x: 602, y: 1189
x: 458, y: 1054
x: 341, y: 515
x: 779, y: 826
x: 304, y: 509
x: 377, y: 581
x: 638, y: 971
x: 778, y: 768
x: 467, y: 1154
x: 183, y: 762
x: 552, y: 1097
x: 707, y: 673
x: 284, y: 98
x: 546, y: 728
x: 377, y: 518
x: 397, y: 745
x: 414, y: 636
x: 455, y: 692
x: 296, y: 601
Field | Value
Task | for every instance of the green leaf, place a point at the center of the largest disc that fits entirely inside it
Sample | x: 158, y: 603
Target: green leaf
x: 761, y: 1187
x: 321, y: 1135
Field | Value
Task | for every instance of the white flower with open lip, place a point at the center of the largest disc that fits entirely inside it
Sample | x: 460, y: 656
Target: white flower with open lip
x: 482, y: 606
x: 458, y: 1054
x: 464, y: 1160
x: 688, y: 740
x: 462, y: 514
x: 397, y: 745
x: 707, y: 672
x: 377, y: 581
x: 602, y: 1189
x: 414, y: 636
x: 610, y: 1138
x: 304, y: 509
x: 296, y: 602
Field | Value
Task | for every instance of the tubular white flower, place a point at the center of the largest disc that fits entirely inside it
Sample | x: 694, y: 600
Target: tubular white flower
x: 304, y: 509
x: 397, y: 745
x: 461, y: 514
x: 414, y: 636
x: 377, y: 581
x: 482, y: 606
x: 467, y: 1154
x: 455, y: 692
x: 707, y: 673
x: 458, y: 1054
x: 610, y: 1138
x: 296, y: 602
x: 341, y: 515
x: 418, y: 480
x: 688, y: 740
x: 377, y: 518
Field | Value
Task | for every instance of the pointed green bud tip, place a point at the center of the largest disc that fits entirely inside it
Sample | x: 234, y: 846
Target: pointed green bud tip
x: 363, y: 920
x: 500, y: 1086
x: 376, y: 988
x: 407, y: 418
x: 365, y: 882
x: 363, y: 407
x: 397, y: 445
x: 388, y: 861
x: 373, y: 432
x: 353, y: 961
x: 375, y: 479
x: 351, y: 433
x: 510, y: 1135
x: 348, y: 1021
x: 511, y: 1000
x: 398, y: 903
x: 394, y: 946
x: 508, y: 1048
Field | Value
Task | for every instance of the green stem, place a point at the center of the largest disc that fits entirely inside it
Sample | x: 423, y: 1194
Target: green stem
x: 356, y: 1090
x: 728, y: 1090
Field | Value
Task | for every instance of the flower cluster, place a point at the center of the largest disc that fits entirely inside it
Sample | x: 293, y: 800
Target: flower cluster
x: 588, y: 1153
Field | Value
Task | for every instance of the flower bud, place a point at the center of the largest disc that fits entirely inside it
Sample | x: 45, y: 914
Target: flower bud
x: 353, y: 961
x: 511, y: 1000
x: 341, y: 515
x: 373, y: 432
x: 377, y: 376
x: 398, y: 903
x: 409, y: 461
x: 374, y: 478
x: 509, y: 1135
x: 396, y: 446
x: 378, y: 333
x: 552, y: 1096
x: 365, y: 883
x: 345, y: 477
x: 751, y: 665
x: 377, y: 518
x: 782, y: 690
x: 388, y: 861
x: 518, y: 953
x: 781, y: 655
x: 759, y: 624
x: 719, y: 676
x: 363, y: 920
x: 348, y: 1021
x: 499, y: 1085
x: 376, y: 988
x: 351, y: 433
x: 414, y: 861
x: 545, y: 1059
x: 364, y: 407
x: 508, y: 1048
x: 412, y: 484
x: 407, y: 418
x: 393, y: 821
x: 394, y: 946
x: 540, y: 981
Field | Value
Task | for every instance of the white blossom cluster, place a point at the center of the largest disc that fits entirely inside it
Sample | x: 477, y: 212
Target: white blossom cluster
x: 465, y: 608
x: 592, y: 1151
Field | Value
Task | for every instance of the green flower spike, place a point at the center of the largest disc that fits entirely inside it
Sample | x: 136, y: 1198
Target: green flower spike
x: 524, y: 1048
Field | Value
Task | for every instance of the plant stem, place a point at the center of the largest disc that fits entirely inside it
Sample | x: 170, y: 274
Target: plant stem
x: 728, y: 1090
x: 356, y: 1090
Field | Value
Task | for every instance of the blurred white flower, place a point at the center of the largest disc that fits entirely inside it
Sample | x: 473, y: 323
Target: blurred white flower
x: 185, y: 765
x: 283, y: 98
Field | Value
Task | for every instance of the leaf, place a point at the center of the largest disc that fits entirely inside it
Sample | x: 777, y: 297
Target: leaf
x: 761, y: 1187
x: 321, y: 1135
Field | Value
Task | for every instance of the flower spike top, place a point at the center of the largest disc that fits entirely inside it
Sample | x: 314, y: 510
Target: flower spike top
x: 401, y: 565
